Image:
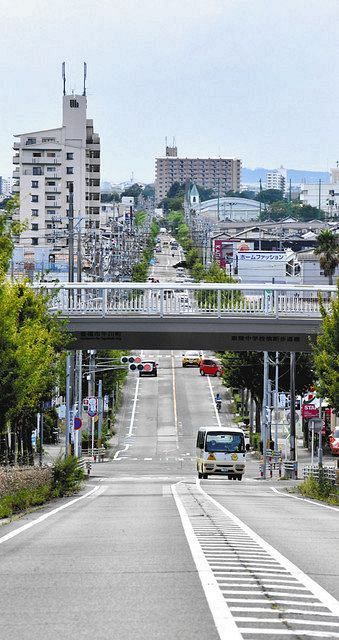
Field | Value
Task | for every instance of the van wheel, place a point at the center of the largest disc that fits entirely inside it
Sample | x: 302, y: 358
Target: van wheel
x: 199, y: 475
x: 205, y: 476
x: 239, y: 476
x: 202, y: 373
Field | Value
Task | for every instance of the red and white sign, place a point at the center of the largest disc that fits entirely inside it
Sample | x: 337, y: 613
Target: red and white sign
x: 309, y: 411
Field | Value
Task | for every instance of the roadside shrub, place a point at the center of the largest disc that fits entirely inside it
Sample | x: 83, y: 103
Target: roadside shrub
x: 319, y: 489
x: 67, y: 476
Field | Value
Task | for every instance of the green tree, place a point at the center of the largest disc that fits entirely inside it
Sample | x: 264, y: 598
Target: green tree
x: 270, y: 195
x: 149, y: 191
x: 326, y: 355
x: 328, y: 251
x: 133, y: 191
x: 140, y: 218
x: 110, y: 197
x: 204, y: 193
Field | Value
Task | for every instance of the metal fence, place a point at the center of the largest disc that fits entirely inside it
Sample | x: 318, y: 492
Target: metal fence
x: 169, y: 299
x: 329, y: 473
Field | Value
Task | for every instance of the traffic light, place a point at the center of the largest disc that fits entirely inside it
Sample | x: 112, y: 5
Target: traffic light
x: 85, y: 404
x: 134, y: 362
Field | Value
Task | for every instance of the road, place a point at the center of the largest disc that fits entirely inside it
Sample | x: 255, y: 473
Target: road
x: 148, y: 551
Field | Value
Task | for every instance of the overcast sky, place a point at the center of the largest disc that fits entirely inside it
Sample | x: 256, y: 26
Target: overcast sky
x: 256, y: 79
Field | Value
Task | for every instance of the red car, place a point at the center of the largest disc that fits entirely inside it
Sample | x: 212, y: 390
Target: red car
x: 210, y: 368
x: 333, y: 441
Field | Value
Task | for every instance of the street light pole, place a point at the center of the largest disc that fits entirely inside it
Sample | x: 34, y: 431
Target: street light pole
x: 292, y: 407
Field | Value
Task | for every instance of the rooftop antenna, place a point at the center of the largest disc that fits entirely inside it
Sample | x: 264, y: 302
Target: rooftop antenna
x: 64, y: 78
x: 173, y: 141
x: 85, y: 76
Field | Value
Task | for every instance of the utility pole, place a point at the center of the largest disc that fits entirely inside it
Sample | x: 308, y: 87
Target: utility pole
x: 292, y: 408
x: 100, y: 411
x: 264, y: 415
x: 319, y: 196
x: 41, y: 433
x: 218, y: 210
x: 68, y: 401
x: 260, y: 191
x: 320, y: 441
x: 276, y: 395
x: 78, y: 388
x: 91, y: 391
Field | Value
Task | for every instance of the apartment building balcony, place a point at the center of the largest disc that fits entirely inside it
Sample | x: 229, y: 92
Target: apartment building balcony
x: 49, y: 189
x: 16, y: 173
x: 52, y: 204
x: 16, y: 146
x: 16, y: 188
x: 16, y: 158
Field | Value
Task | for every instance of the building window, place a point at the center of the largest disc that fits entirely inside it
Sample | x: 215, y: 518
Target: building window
x: 51, y: 212
x: 35, y: 226
x: 35, y: 212
x: 73, y: 104
x: 70, y: 156
x: 36, y: 155
x: 37, y: 171
x: 52, y: 197
x: 35, y: 184
x: 50, y: 168
x: 35, y: 240
x: 31, y: 141
x: 69, y: 169
x: 35, y: 198
x: 48, y: 139
x: 50, y: 154
x: 50, y: 183
x: 69, y: 184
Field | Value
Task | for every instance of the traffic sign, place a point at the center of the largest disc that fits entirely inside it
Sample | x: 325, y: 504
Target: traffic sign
x: 315, y: 424
x: 92, y: 406
x: 77, y: 423
x: 309, y: 411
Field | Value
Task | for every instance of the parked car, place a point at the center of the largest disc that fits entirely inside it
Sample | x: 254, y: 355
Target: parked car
x: 333, y: 441
x: 210, y: 368
x: 150, y: 369
x: 191, y: 359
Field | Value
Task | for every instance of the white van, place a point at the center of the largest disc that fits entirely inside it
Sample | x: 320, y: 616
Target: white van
x: 221, y: 451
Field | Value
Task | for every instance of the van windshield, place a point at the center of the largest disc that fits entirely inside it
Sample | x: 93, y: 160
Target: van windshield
x: 225, y: 442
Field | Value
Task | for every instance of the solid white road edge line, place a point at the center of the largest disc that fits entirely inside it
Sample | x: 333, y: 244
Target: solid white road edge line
x: 223, y: 619
x: 28, y: 525
x: 319, y: 592
x: 215, y: 406
x: 316, y: 504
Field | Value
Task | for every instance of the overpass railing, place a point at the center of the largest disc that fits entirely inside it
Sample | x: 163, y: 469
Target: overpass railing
x: 172, y: 299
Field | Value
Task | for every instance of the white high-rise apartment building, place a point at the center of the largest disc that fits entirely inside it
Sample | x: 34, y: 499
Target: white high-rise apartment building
x: 48, y: 165
x: 277, y: 179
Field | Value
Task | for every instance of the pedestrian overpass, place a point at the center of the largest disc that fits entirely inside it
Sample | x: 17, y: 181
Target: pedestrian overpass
x: 237, y: 317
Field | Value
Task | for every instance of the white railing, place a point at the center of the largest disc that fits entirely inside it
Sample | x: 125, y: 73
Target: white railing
x: 172, y: 299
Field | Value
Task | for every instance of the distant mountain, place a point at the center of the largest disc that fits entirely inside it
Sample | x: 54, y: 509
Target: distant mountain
x: 251, y: 176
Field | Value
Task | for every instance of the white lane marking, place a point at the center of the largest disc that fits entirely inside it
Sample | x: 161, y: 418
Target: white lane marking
x: 215, y: 406
x: 321, y: 594
x: 288, y: 620
x: 223, y: 619
x: 147, y: 458
x: 166, y: 491
x: 130, y: 430
x: 316, y: 504
x: 302, y: 612
x: 288, y: 632
x: 28, y: 525
x: 116, y: 455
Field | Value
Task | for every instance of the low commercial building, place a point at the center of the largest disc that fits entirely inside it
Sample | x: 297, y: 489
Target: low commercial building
x: 323, y: 195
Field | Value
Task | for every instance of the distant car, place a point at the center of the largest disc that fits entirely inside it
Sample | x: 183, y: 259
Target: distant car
x: 150, y: 369
x: 210, y: 368
x: 158, y: 249
x: 191, y: 359
x: 333, y: 441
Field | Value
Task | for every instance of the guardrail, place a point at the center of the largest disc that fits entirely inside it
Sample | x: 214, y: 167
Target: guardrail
x: 166, y: 299
x: 329, y: 473
x: 97, y: 454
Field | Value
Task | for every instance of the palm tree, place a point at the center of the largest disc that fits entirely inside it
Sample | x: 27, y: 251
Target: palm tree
x: 328, y: 252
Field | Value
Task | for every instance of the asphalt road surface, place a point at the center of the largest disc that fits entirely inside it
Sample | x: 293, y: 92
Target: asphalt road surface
x: 149, y: 552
